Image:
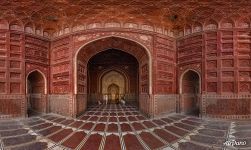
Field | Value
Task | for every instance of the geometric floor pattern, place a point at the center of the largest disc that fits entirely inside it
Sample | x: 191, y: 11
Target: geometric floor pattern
x: 115, y: 127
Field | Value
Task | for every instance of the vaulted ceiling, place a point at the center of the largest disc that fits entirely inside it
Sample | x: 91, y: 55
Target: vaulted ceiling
x: 53, y: 14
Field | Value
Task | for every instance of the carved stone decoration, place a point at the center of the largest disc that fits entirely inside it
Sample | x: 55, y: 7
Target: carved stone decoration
x: 228, y: 87
x: 212, y: 87
x: 245, y: 87
x: 82, y: 39
x: 227, y: 63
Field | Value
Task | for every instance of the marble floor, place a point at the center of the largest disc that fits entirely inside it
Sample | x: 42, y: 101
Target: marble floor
x: 115, y: 127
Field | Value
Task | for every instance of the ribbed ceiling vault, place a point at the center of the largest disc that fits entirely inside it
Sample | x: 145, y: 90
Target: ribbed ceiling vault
x: 54, y: 15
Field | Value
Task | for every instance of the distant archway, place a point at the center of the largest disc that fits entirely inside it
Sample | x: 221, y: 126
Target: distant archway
x: 113, y: 67
x: 190, y: 90
x: 113, y: 93
x: 113, y: 78
x: 35, y: 91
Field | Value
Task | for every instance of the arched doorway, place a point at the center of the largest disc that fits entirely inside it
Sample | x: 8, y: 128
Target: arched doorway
x: 114, y: 83
x: 113, y: 73
x: 113, y: 93
x: 190, y: 93
x: 82, y: 71
x: 36, y: 90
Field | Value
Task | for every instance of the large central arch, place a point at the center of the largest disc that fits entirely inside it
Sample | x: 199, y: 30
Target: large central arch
x: 88, y: 50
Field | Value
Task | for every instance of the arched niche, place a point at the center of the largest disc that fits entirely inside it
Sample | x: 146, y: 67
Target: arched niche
x: 112, y: 24
x: 36, y: 89
x: 94, y: 25
x: 78, y: 27
x: 46, y: 34
x: 16, y: 25
x: 226, y: 23
x: 29, y: 28
x: 190, y: 89
x: 188, y: 29
x: 197, y: 27
x: 131, y: 25
x: 211, y: 25
x: 147, y: 27
x: 38, y: 30
x: 113, y: 91
x: 243, y: 23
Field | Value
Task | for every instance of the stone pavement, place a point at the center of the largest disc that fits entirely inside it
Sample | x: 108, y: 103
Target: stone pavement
x: 115, y: 127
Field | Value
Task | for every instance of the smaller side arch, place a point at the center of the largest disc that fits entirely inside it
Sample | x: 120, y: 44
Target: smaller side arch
x: 44, y: 77
x: 190, y: 93
x: 182, y: 75
x: 36, y: 91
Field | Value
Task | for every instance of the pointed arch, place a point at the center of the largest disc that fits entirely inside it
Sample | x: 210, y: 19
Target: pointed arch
x: 44, y: 77
x: 148, y: 53
x: 29, y: 28
x: 243, y: 23
x: 181, y: 78
x: 197, y: 27
x: 211, y: 25
x: 16, y: 25
x: 227, y: 23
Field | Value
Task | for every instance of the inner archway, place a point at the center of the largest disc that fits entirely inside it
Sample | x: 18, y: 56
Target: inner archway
x: 35, y: 93
x: 82, y: 71
x: 113, y: 93
x: 191, y: 93
x: 113, y: 73
x: 115, y: 84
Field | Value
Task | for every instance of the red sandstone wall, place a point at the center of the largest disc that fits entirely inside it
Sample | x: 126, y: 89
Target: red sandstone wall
x: 19, y: 54
x: 37, y: 58
x: 222, y: 57
x: 227, y: 72
x: 61, y: 85
x: 164, y: 76
x: 12, y: 73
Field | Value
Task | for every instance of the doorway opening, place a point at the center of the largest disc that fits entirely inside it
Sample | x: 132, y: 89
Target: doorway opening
x: 191, y: 93
x: 35, y: 93
x: 113, y: 93
x: 112, y: 73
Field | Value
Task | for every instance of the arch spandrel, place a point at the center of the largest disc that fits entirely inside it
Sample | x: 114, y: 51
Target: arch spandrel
x: 142, y: 39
